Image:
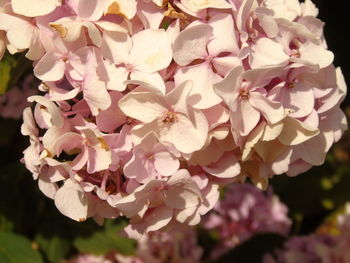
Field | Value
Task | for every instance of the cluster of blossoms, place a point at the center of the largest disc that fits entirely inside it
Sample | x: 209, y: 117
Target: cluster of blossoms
x: 151, y: 105
x: 14, y: 101
x: 243, y: 212
x: 111, y: 258
x: 178, y: 245
x: 320, y: 247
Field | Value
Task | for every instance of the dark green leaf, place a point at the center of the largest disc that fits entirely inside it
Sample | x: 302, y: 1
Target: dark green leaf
x: 17, y: 249
x: 106, y: 240
x: 6, y: 65
x: 54, y: 240
x: 12, y: 68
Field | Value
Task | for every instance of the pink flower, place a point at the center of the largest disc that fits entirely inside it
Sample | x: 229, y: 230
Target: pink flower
x: 179, y: 244
x: 208, y: 44
x: 156, y: 203
x: 168, y: 116
x: 245, y: 211
x: 247, y: 100
x: 136, y: 58
x: 149, y: 123
x: 152, y: 160
x: 34, y: 8
x: 13, y: 102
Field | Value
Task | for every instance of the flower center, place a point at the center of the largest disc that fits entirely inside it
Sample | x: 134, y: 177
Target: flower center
x: 291, y: 85
x: 129, y: 67
x: 170, y: 117
x: 244, y: 94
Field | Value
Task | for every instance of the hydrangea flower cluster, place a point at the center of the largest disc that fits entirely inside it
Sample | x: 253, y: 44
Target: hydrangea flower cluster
x: 178, y: 245
x: 318, y: 247
x: 151, y: 105
x: 14, y: 101
x: 244, y: 212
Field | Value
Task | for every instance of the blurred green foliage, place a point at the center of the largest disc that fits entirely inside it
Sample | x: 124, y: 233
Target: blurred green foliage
x: 11, y: 69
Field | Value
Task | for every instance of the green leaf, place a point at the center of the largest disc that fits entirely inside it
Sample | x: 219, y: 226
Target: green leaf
x: 6, y: 65
x: 254, y: 249
x: 108, y: 239
x: 17, y: 249
x: 54, y: 240
x: 12, y: 68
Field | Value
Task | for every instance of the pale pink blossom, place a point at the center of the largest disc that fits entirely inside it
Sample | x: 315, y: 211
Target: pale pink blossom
x: 169, y: 116
x: 136, y: 58
x: 157, y: 203
x: 29, y: 39
x: 34, y: 8
x: 207, y: 43
x: 179, y: 244
x: 243, y: 212
x: 150, y: 107
x: 247, y: 99
x: 152, y: 160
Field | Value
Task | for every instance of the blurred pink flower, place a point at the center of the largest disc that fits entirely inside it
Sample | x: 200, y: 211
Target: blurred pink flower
x: 243, y: 212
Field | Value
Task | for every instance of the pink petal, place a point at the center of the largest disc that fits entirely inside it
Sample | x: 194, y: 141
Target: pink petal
x: 295, y: 132
x: 228, y: 88
x: 116, y: 46
x: 135, y: 168
x: 151, y: 50
x: 149, y: 15
x: 142, y: 106
x: 271, y: 110
x: 152, y: 79
x: 187, y: 136
x: 226, y: 167
x: 182, y: 192
x: 12, y: 25
x: 125, y: 9
x: 99, y: 159
x: 191, y: 44
x: 165, y: 163
x: 159, y: 218
x: 56, y: 117
x: 316, y: 54
x: 267, y: 53
x: 113, y: 117
x: 96, y: 96
x: 202, y: 94
x: 223, y: 65
x: 247, y: 116
x: 71, y: 201
x: 33, y: 8
x: 224, y: 36
x: 48, y: 188
x: 113, y: 76
x: 313, y: 151
x: 211, y: 195
x: 91, y: 10
x: 50, y: 67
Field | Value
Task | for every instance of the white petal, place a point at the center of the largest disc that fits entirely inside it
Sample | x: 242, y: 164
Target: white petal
x: 151, y: 50
x: 295, y: 132
x: 191, y: 44
x: 143, y: 106
x: 33, y: 8
x: 71, y: 201
x: 267, y: 53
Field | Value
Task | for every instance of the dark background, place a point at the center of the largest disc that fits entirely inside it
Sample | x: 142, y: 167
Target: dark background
x: 336, y: 16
